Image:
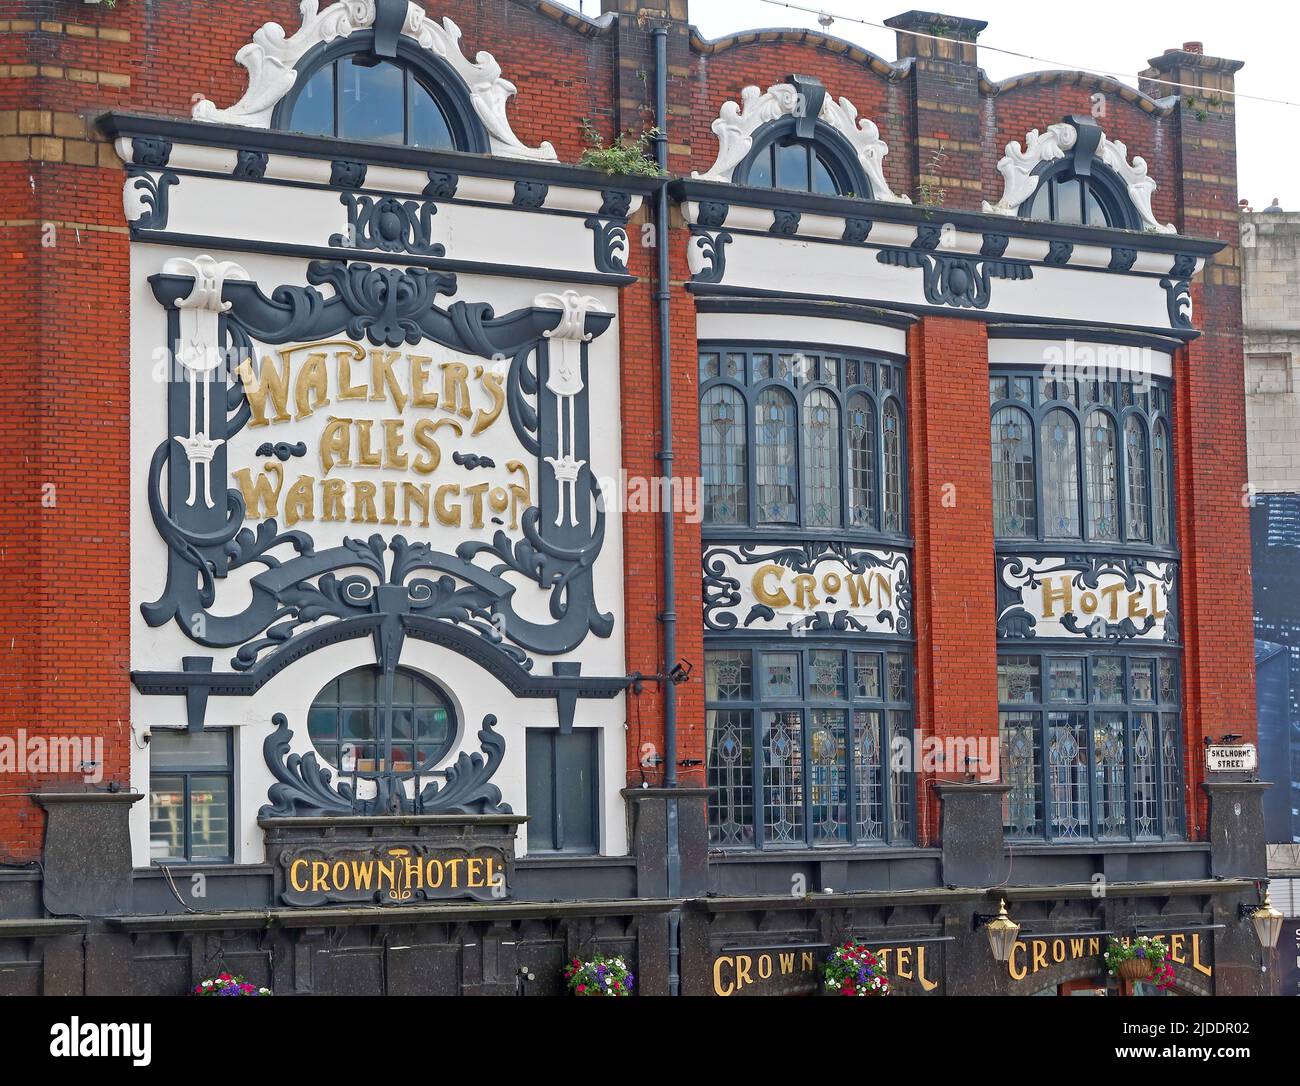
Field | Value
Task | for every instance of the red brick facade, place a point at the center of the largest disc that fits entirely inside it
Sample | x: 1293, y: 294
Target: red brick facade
x: 64, y: 359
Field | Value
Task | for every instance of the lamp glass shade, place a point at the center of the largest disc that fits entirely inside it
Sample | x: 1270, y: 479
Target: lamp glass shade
x: 1002, y: 932
x: 1267, y: 922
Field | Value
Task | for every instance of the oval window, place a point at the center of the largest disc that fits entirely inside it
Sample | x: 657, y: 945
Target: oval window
x: 352, y: 721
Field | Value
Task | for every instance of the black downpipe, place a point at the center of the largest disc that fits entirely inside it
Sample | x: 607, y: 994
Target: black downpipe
x: 668, y: 617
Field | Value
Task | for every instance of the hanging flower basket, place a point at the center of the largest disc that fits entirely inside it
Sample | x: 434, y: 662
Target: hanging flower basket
x: 224, y: 984
x: 1141, y: 958
x: 853, y: 970
x: 600, y: 976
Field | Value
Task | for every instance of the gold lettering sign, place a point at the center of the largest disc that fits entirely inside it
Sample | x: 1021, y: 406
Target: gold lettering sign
x: 781, y: 971
x: 435, y: 404
x: 392, y: 874
x: 1032, y: 956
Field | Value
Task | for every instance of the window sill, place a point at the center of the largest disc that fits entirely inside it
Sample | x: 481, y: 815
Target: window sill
x: 874, y: 852
x: 1022, y: 848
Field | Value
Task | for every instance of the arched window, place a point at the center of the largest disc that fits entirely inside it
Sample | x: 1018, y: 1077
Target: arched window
x: 1101, y: 473
x: 414, y: 99
x: 821, y: 460
x: 1098, y: 199
x: 723, y: 451
x: 810, y: 439
x: 775, y: 457
x: 1014, y: 508
x: 862, y: 461
x: 1060, y: 441
x: 893, y: 490
x: 352, y: 723
x: 1160, y: 519
x: 1135, y: 463
x: 823, y: 163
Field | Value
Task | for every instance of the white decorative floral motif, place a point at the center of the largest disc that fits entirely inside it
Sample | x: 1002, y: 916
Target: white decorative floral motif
x: 737, y: 124
x: 564, y: 380
x: 1017, y: 170
x: 271, y: 59
x: 198, y: 351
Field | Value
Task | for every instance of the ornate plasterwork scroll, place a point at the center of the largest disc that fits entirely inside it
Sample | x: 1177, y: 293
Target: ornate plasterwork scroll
x: 272, y: 57
x: 737, y: 123
x: 1018, y: 165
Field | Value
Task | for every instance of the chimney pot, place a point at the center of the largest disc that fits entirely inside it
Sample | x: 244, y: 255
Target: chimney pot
x: 1194, y: 47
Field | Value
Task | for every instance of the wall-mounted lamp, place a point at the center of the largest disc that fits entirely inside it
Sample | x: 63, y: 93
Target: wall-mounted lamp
x: 1001, y: 930
x: 1266, y: 921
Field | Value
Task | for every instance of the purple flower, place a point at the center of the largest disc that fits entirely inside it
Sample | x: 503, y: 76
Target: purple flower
x: 1141, y: 953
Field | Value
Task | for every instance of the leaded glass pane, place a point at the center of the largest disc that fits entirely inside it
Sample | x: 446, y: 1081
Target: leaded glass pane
x: 1108, y: 680
x: 783, y: 785
x: 1135, y: 466
x: 1014, y: 512
x: 1168, y: 680
x: 709, y: 367
x: 1142, y: 679
x: 1160, y: 512
x: 821, y: 460
x: 1171, y: 773
x: 862, y: 461
x: 775, y: 457
x: 1065, y: 678
x: 826, y: 675
x: 1102, y: 477
x: 893, y: 465
x: 1060, y: 442
x: 1019, y: 680
x: 723, y: 450
x: 1108, y: 775
x: 828, y: 784
x: 868, y: 760
x: 762, y: 367
x: 1145, y: 798
x: 1067, y: 770
x: 727, y: 675
x: 781, y: 674
x: 898, y: 685
x: 1022, y: 806
x: 730, y: 768
x: 997, y: 389
x: 866, y: 674
x: 900, y: 776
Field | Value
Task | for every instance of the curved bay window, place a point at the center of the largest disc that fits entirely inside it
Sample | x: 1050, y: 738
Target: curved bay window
x: 812, y: 439
x: 823, y: 163
x: 1081, y: 460
x: 356, y: 729
x: 1091, y: 745
x: 415, y: 99
x: 799, y: 742
x: 1098, y: 198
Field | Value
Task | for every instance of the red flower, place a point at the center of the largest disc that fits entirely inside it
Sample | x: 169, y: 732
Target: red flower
x: 581, y: 988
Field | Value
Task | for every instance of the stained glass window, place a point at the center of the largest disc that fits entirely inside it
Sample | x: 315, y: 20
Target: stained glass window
x: 1087, y: 766
x: 815, y: 753
x: 822, y: 460
x: 1063, y: 468
x: 1014, y: 506
x: 798, y: 438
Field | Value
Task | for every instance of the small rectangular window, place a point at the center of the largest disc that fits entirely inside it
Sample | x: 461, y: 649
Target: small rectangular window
x: 563, y: 790
x: 190, y: 797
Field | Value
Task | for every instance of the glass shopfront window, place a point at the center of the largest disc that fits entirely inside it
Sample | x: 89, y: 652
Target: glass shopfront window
x: 1091, y: 745
x: 799, y: 742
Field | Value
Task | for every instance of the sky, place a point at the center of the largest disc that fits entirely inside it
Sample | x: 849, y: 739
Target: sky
x: 1115, y: 36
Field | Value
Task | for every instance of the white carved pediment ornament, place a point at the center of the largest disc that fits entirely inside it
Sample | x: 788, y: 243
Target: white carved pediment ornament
x: 737, y: 123
x: 1017, y: 169
x: 272, y: 56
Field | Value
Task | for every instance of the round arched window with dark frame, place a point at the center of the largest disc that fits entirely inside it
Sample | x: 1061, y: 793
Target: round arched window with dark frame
x: 414, y: 99
x: 1098, y: 198
x: 824, y: 163
x: 352, y: 721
